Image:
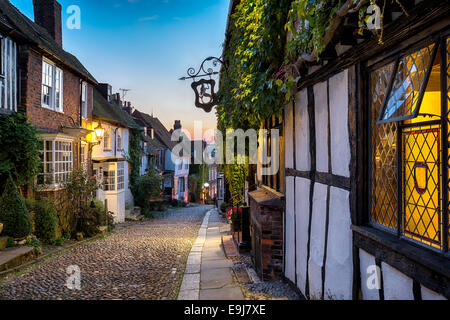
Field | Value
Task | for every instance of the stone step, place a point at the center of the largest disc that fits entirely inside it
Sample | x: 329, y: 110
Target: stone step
x: 14, y: 257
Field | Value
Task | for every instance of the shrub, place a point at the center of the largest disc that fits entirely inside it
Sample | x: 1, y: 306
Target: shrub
x: 146, y: 187
x: 10, y: 242
x: 45, y: 220
x: 58, y: 242
x: 87, y: 221
x: 13, y: 212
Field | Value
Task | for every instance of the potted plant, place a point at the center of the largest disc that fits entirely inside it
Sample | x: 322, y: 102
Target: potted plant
x: 234, y: 215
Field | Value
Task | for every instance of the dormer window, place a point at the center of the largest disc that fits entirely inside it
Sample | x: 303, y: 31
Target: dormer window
x: 52, y: 86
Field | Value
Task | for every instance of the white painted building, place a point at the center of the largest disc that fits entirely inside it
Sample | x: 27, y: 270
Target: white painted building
x: 109, y: 156
x: 181, y: 179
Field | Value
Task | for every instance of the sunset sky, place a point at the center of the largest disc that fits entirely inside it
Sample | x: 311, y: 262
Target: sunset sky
x: 145, y: 46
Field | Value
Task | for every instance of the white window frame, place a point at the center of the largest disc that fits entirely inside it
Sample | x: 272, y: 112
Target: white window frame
x: 57, y: 164
x: 120, y: 176
x: 84, y: 100
x: 50, y: 73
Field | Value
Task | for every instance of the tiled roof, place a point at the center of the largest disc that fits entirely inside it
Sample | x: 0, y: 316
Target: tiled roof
x: 39, y: 37
x: 107, y: 111
x: 160, y: 131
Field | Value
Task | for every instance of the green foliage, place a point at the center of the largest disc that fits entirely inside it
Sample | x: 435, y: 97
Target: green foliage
x: 236, y: 175
x: 308, y: 21
x: 58, y: 242
x: 35, y: 243
x: 254, y: 54
x: 20, y: 151
x: 134, y: 157
x: 146, y: 187
x: 45, y: 220
x: 13, y: 212
x: 10, y: 242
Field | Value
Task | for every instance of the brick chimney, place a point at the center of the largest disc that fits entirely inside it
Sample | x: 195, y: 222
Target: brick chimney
x: 106, y: 90
x: 47, y: 14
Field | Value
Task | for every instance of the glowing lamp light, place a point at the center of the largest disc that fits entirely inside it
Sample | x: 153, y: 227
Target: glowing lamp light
x: 99, y: 132
x: 206, y: 185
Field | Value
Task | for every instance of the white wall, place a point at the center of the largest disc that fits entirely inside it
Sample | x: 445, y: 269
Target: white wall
x: 321, y: 119
x: 339, y: 266
x: 370, y: 281
x: 302, y: 138
x: 340, y: 143
x: 396, y: 285
x: 317, y: 240
x: 302, y: 188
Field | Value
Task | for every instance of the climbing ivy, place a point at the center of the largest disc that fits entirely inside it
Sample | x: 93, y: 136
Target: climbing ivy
x: 248, y: 93
x: 134, y: 156
x: 20, y: 151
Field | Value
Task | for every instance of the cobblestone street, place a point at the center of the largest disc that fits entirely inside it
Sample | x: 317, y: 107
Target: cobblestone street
x: 138, y: 261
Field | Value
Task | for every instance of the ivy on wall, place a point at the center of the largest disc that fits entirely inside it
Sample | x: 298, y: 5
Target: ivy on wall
x: 262, y: 63
x: 134, y: 156
x: 20, y: 151
x: 248, y: 93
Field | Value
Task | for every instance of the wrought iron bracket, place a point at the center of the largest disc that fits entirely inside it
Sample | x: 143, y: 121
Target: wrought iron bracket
x: 205, y: 87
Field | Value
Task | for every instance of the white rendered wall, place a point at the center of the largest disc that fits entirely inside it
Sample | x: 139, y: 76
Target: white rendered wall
x: 428, y: 294
x: 290, y: 229
x: 302, y: 188
x: 339, y: 265
x: 289, y: 136
x: 396, y: 285
x: 317, y: 241
x: 302, y: 138
x: 367, y: 261
x: 340, y: 144
x: 321, y: 119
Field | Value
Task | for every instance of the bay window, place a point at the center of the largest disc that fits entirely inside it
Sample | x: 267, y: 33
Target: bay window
x: 408, y: 145
x: 52, y: 86
x: 57, y: 163
x: 120, y: 176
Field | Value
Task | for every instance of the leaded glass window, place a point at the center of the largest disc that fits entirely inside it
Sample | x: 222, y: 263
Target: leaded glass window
x: 408, y: 84
x: 407, y: 145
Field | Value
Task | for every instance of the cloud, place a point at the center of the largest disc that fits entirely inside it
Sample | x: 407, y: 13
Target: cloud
x: 151, y: 18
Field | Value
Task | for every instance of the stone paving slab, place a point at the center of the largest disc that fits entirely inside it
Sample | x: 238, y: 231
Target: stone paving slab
x: 232, y: 293
x: 216, y: 278
x: 189, y: 295
x: 191, y: 282
x: 216, y: 264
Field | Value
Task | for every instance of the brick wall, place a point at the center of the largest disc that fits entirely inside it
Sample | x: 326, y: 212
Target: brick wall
x: 266, y: 212
x: 31, y: 82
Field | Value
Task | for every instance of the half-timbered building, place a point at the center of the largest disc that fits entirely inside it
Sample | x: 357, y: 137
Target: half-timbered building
x: 360, y: 207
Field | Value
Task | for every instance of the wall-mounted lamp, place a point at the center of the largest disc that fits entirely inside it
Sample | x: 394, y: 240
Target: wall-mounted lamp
x: 99, y: 135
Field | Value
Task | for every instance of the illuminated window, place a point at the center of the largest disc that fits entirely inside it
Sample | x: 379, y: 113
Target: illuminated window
x: 109, y: 180
x: 407, y: 145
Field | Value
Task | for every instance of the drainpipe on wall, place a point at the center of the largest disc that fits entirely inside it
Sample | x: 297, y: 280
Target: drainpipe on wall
x: 80, y: 121
x: 115, y: 142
